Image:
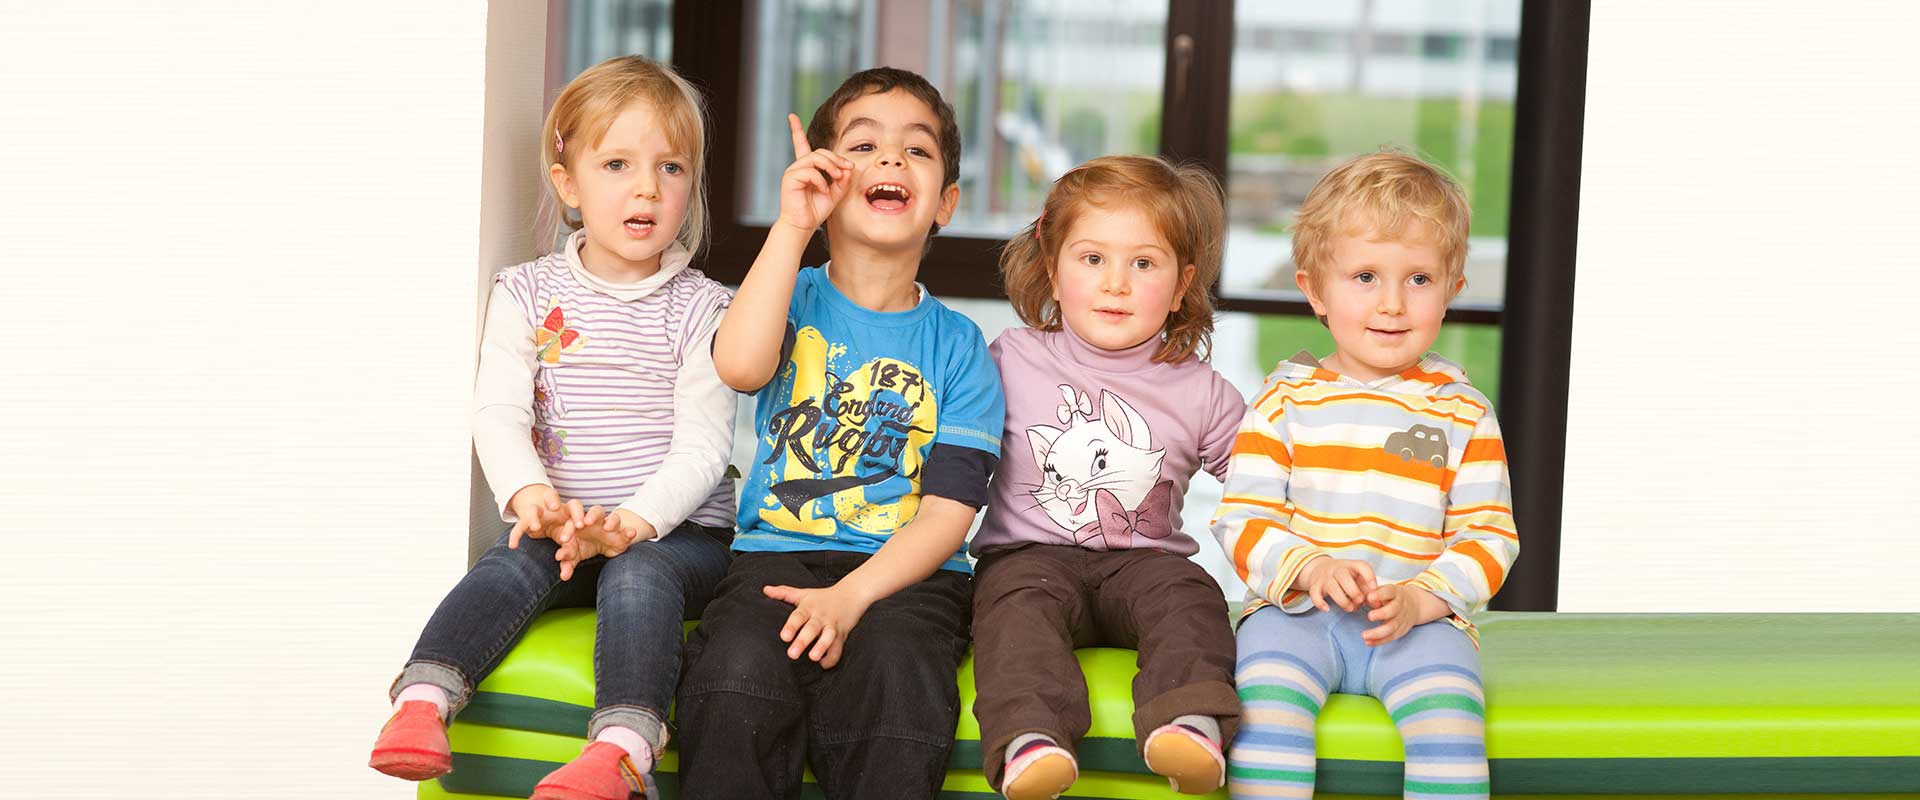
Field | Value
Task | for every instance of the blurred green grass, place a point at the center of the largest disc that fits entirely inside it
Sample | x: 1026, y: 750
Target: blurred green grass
x: 1474, y: 347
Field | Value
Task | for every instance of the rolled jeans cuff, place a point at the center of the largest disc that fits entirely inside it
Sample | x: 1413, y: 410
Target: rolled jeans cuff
x: 436, y: 674
x: 641, y: 720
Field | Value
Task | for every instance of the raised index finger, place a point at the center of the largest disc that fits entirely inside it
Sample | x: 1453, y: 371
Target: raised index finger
x: 800, y: 146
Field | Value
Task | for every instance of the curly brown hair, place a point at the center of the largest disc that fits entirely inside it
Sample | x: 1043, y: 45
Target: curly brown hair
x: 1185, y: 205
x: 822, y: 128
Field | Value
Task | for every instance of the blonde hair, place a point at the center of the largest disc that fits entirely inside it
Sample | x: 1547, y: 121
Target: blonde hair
x: 1184, y: 204
x: 1385, y: 194
x: 585, y: 110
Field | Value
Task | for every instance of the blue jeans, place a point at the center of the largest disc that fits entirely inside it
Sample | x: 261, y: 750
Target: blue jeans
x: 641, y: 597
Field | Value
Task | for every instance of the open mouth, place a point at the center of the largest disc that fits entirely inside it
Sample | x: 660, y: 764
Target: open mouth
x: 888, y: 197
x: 639, y: 225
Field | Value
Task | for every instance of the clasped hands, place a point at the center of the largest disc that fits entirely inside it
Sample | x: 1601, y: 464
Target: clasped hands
x: 581, y: 532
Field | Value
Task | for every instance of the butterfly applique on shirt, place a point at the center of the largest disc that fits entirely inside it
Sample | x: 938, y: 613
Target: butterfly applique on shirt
x: 554, y: 338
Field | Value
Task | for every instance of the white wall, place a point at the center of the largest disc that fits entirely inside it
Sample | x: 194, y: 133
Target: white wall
x: 240, y: 245
x: 511, y: 185
x: 1744, y: 322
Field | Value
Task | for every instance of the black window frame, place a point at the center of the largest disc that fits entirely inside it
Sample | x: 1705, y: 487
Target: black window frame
x: 1535, y: 316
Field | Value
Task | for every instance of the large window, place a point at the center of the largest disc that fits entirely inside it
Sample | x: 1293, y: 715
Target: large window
x: 1268, y: 95
x: 596, y: 30
x: 1314, y: 84
x: 1036, y: 87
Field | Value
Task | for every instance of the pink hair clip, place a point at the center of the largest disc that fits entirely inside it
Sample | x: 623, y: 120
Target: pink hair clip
x: 559, y: 144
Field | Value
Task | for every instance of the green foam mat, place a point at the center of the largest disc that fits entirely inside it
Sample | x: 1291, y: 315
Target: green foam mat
x: 506, y: 763
x: 1622, y: 704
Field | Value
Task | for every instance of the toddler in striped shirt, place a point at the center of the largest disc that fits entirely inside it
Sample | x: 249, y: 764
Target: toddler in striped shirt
x: 1366, y: 502
x: 604, y: 433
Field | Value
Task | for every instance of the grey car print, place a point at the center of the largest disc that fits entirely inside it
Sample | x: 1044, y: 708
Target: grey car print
x: 1420, y: 442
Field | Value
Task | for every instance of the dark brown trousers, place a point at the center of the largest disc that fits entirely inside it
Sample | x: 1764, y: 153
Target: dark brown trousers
x: 1033, y: 604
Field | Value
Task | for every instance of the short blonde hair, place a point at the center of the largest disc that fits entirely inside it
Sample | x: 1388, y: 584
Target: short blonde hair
x: 1185, y: 206
x: 1386, y: 194
x: 585, y: 110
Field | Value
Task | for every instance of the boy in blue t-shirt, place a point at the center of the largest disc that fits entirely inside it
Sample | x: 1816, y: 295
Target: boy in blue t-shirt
x: 834, y: 639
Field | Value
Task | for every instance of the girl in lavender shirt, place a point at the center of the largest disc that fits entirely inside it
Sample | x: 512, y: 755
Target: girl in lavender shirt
x: 1082, y: 543
x: 604, y: 433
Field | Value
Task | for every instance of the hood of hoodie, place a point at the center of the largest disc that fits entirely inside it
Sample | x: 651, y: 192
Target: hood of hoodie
x: 1423, y: 378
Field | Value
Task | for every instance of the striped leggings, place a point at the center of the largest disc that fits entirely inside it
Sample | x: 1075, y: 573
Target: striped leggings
x: 1429, y: 680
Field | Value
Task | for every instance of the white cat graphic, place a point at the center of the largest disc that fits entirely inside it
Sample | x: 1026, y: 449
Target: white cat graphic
x: 1113, y: 453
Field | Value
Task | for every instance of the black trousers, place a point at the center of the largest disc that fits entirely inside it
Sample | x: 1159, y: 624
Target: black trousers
x: 878, y: 725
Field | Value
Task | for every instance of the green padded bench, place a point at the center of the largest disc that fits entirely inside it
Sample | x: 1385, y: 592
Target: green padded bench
x: 1647, y: 705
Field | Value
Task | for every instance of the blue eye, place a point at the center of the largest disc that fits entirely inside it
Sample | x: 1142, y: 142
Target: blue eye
x: 1421, y: 280
x: 1364, y: 277
x: 672, y: 168
x: 617, y: 164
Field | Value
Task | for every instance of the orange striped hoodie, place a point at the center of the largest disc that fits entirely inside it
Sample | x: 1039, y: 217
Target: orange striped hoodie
x: 1406, y: 473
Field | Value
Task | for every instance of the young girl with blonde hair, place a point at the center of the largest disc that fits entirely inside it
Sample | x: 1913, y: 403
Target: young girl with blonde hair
x: 604, y: 434
x: 1082, y: 544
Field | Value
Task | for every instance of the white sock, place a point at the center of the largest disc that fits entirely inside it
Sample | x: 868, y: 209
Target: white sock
x: 629, y: 740
x: 1022, y: 740
x: 424, y: 691
x: 1207, y: 726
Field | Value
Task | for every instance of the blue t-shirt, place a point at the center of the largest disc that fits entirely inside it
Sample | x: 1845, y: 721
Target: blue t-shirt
x: 847, y: 427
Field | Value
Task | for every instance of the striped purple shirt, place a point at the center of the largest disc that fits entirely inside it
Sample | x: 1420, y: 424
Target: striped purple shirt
x: 603, y: 395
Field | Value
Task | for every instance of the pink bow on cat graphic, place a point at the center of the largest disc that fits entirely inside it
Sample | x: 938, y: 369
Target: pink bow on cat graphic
x: 1116, y: 526
x: 1075, y: 402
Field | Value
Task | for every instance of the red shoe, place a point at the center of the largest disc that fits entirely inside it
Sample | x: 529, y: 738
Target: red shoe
x: 601, y: 772
x: 413, y: 744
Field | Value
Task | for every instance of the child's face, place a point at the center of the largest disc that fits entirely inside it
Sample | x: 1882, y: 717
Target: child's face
x: 896, y: 196
x: 1383, y: 300
x: 632, y: 191
x: 1116, y: 278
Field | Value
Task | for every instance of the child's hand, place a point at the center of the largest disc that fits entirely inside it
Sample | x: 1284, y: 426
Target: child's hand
x: 1343, y: 581
x: 1398, y: 607
x: 541, y: 514
x: 604, y: 534
x: 821, y: 617
x: 814, y: 185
